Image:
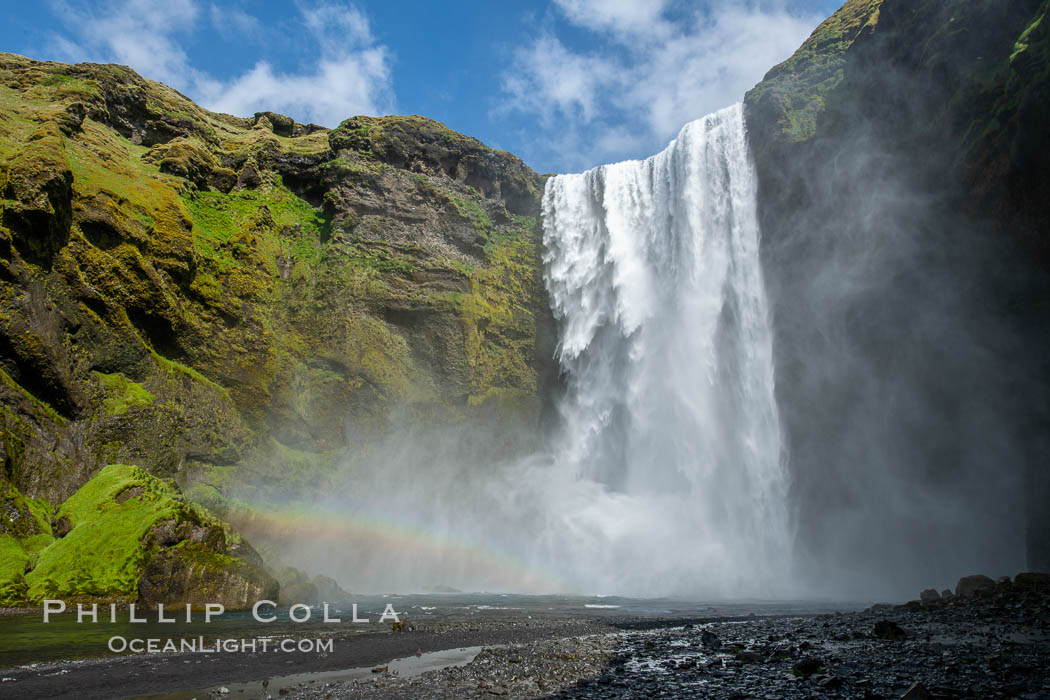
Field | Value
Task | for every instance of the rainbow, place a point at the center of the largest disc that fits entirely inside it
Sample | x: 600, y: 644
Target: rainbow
x: 412, y: 542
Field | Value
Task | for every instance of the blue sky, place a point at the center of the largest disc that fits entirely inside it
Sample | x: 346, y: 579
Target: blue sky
x: 565, y: 84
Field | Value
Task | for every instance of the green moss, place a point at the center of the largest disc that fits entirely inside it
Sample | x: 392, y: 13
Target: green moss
x: 342, y: 168
x: 796, y: 88
x: 280, y: 223
x: 471, y: 210
x: 207, y: 496
x: 13, y: 563
x: 1022, y: 42
x: 122, y: 393
x: 177, y: 368
x: 104, y: 553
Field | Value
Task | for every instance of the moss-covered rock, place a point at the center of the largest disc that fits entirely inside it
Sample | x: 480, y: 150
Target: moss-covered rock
x: 129, y: 537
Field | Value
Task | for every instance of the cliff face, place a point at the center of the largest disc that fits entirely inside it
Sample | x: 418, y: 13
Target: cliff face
x: 224, y: 300
x: 902, y: 161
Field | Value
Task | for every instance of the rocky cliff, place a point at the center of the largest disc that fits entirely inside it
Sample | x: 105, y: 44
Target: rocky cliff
x: 222, y: 301
x: 902, y: 157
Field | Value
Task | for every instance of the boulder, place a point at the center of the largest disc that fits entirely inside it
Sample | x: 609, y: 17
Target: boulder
x: 887, y: 629
x: 930, y: 597
x: 970, y: 586
x: 1030, y: 581
x: 807, y: 666
x: 192, y: 573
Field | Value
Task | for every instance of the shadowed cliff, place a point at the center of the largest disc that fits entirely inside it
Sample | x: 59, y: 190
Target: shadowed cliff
x: 904, y: 206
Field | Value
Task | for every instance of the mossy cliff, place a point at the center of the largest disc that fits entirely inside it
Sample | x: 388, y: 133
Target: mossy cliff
x: 902, y: 158
x: 243, y: 301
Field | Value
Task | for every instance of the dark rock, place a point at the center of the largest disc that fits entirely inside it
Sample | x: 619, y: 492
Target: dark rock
x: 193, y: 573
x: 710, y: 641
x: 916, y: 692
x: 1035, y: 582
x: 977, y: 584
x: 807, y: 666
x: 248, y: 179
x: 887, y: 629
x: 129, y: 493
x: 62, y: 526
x: 749, y: 657
x: 831, y: 683
x: 930, y: 597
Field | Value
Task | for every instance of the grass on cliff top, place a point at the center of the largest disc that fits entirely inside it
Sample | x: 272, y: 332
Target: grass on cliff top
x: 370, y: 134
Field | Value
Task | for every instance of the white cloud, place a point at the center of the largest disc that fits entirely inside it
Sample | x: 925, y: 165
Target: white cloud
x: 349, y: 75
x: 646, y: 77
x: 232, y: 22
x: 628, y: 17
x: 137, y: 33
x: 551, y: 80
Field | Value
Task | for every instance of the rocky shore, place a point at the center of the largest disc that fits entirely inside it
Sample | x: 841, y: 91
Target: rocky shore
x: 985, y: 639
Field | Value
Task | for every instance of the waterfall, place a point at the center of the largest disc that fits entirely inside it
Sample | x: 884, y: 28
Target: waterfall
x: 670, y: 425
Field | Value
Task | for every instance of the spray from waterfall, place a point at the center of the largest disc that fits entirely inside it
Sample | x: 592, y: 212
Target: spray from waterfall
x: 666, y: 475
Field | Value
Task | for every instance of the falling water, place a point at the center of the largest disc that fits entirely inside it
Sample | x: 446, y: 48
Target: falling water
x: 654, y: 276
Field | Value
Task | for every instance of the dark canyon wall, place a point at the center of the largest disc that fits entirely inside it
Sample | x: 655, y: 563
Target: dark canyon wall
x: 904, y: 177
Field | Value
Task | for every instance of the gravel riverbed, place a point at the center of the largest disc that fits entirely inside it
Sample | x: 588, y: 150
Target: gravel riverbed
x: 993, y: 643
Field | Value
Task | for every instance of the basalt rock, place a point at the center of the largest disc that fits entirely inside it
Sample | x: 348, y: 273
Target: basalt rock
x: 977, y: 584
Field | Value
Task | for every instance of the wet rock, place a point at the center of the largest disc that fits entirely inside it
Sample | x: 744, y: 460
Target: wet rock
x: 710, y: 641
x: 916, y: 692
x: 930, y: 597
x: 1029, y: 581
x: 194, y: 573
x: 977, y: 584
x: 831, y: 683
x: 807, y: 666
x: 887, y: 629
